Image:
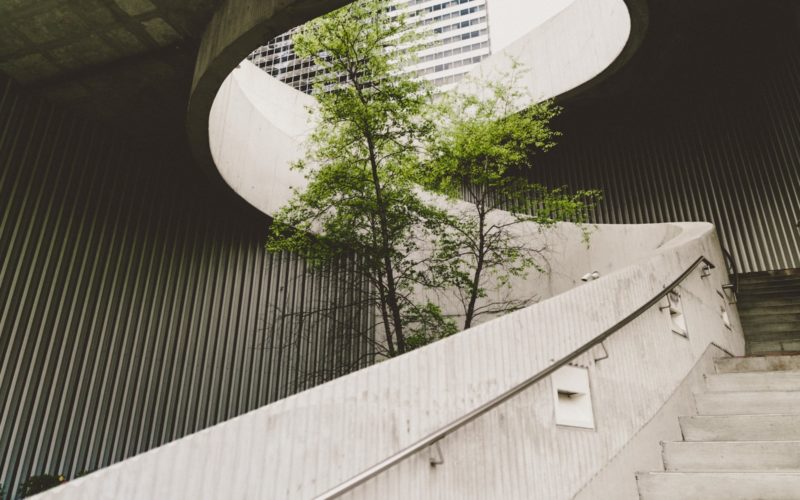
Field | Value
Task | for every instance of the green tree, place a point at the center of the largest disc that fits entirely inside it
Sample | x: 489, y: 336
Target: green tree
x: 363, y: 168
x: 485, y: 148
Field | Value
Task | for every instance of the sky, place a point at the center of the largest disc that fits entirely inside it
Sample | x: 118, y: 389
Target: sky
x: 510, y: 19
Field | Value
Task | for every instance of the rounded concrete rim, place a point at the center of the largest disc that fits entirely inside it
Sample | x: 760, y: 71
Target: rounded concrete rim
x: 240, y: 25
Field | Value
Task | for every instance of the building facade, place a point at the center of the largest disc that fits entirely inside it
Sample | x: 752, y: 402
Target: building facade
x: 457, y: 30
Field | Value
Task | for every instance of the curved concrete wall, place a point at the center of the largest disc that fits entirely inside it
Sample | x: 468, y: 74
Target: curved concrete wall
x: 237, y: 27
x: 257, y: 125
x: 257, y: 128
x: 330, y: 433
x: 568, y: 50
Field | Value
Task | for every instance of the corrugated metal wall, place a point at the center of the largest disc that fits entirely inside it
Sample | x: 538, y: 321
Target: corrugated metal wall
x: 132, y: 312
x: 712, y: 138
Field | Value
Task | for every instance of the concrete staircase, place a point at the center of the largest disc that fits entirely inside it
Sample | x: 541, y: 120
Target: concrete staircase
x: 743, y: 444
x: 769, y: 306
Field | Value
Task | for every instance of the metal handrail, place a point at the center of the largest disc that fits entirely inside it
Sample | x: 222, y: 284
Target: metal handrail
x: 456, y: 424
x: 733, y: 273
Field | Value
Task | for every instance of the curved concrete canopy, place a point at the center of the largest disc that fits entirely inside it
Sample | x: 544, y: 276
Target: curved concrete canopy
x: 252, y: 128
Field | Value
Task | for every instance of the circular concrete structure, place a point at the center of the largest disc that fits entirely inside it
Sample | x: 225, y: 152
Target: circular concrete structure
x: 246, y: 127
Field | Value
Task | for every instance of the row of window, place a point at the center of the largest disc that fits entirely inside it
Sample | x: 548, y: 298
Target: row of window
x: 462, y: 24
x: 446, y: 80
x: 432, y: 8
x: 451, y: 65
x: 454, y: 51
x: 463, y: 36
x: 452, y: 15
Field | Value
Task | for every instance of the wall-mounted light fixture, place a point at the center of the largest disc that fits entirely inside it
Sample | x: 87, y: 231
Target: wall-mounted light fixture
x: 590, y: 276
x: 676, y: 318
x: 572, y: 397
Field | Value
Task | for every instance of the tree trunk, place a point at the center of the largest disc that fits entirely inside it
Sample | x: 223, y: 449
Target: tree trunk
x: 391, y: 286
x: 476, y: 277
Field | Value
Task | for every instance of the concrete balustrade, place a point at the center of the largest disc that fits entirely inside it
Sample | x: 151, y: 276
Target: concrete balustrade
x: 305, y: 444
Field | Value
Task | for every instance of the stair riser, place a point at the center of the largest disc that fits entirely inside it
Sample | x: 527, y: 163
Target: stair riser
x: 779, y: 456
x: 758, y: 327
x: 772, y: 337
x: 748, y: 403
x: 769, y: 318
x: 755, y: 348
x: 788, y: 292
x: 769, y: 381
x: 727, y: 486
x: 769, y: 276
x: 774, y: 315
x: 772, y: 312
x: 741, y: 428
x: 769, y: 282
x: 757, y: 364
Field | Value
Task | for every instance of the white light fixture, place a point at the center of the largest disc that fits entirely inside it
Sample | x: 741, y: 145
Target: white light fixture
x: 572, y: 397
x: 590, y: 276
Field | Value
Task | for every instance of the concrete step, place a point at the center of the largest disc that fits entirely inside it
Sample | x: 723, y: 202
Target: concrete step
x: 748, y: 403
x: 719, y: 485
x: 784, y: 337
x: 772, y: 347
x: 768, y: 305
x: 770, y: 318
x: 732, y: 456
x: 757, y: 364
x: 787, y: 293
x: 756, y: 288
x: 754, y: 327
x: 767, y: 280
x: 740, y: 428
x: 771, y: 336
x: 769, y: 276
x: 788, y: 290
x: 775, y: 316
x: 754, y: 381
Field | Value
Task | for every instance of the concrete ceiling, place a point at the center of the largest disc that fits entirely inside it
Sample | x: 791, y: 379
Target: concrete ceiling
x: 128, y: 63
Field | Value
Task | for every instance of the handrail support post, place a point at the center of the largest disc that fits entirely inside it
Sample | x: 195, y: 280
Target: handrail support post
x: 436, y: 456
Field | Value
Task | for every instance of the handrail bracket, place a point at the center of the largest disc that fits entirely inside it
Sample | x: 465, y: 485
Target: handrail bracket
x: 436, y: 456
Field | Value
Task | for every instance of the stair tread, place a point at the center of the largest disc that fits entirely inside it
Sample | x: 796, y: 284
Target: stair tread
x: 732, y: 456
x: 754, y: 381
x: 759, y: 363
x: 765, y: 427
x: 749, y: 485
x: 747, y: 402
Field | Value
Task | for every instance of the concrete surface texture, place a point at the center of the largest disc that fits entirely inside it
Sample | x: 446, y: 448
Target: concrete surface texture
x: 310, y: 442
x: 743, y: 443
x: 123, y: 62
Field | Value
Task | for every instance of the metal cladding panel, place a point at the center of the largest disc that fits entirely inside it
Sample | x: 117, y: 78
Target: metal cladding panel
x: 132, y: 310
x: 727, y: 154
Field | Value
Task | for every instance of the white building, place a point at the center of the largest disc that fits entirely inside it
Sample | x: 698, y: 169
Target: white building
x: 459, y: 30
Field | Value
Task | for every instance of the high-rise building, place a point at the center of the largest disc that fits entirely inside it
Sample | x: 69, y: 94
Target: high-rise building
x: 458, y: 30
